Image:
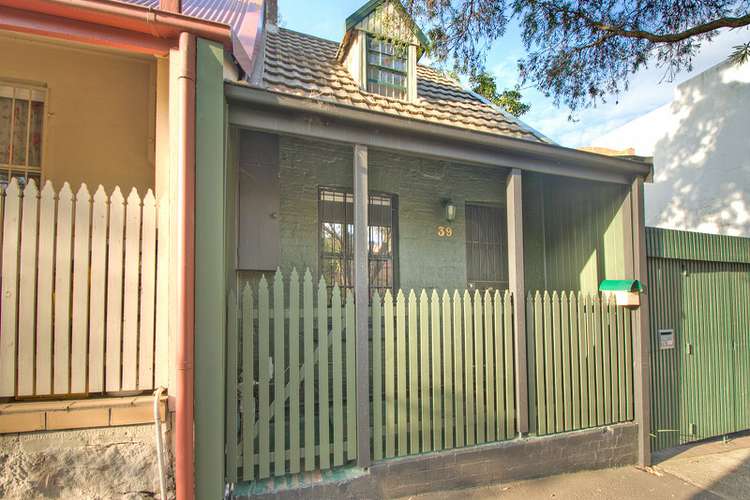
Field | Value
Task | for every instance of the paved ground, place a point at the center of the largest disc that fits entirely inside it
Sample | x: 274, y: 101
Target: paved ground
x: 713, y: 470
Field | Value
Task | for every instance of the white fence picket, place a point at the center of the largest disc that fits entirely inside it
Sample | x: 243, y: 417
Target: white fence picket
x: 79, y: 337
x: 8, y: 310
x: 45, y: 290
x: 85, y: 297
x: 98, y: 282
x: 63, y: 266
x: 27, y: 289
x: 130, y: 298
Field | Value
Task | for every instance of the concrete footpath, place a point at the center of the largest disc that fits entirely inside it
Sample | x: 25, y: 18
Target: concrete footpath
x: 709, y: 470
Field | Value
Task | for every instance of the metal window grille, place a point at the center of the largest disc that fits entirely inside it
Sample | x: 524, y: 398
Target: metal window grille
x: 336, y: 214
x: 387, y: 68
x: 22, y: 124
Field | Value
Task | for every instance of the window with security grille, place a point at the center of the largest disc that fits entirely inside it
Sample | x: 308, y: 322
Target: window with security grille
x: 22, y: 109
x: 387, y: 68
x: 336, y: 214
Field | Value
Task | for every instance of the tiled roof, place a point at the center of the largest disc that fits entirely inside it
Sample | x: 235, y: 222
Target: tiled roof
x: 306, y: 66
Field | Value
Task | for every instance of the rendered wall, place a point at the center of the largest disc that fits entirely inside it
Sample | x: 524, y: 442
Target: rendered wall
x: 100, y: 124
x: 701, y: 153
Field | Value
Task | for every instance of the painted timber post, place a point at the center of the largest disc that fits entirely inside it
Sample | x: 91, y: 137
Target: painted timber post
x: 642, y: 347
x: 361, y: 294
x: 514, y: 197
x: 210, y: 272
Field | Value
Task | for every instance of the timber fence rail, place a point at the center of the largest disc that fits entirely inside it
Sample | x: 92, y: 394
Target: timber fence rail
x: 84, y: 291
x: 580, y: 352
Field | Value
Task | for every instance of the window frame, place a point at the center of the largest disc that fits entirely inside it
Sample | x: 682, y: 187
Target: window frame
x: 26, y: 169
x: 367, y: 65
x: 394, y: 238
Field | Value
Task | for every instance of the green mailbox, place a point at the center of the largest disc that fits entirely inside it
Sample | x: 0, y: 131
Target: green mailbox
x: 627, y: 293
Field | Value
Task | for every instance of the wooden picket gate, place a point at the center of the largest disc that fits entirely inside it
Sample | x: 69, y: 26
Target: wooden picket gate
x: 291, y: 374
x: 580, y: 362
x: 443, y: 371
x: 84, y: 291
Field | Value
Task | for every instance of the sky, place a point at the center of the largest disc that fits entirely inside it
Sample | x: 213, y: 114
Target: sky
x: 648, y: 90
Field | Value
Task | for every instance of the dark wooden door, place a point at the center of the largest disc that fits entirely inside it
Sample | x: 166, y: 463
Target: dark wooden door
x: 486, y: 247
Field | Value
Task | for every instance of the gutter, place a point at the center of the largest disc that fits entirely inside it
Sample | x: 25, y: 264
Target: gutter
x: 157, y: 23
x: 531, y: 149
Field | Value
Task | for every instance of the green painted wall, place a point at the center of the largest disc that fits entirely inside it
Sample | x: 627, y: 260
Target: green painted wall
x: 425, y: 260
x: 210, y: 271
x: 573, y: 229
x: 573, y: 232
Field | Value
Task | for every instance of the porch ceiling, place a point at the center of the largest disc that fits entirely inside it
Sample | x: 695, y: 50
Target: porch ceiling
x: 266, y: 111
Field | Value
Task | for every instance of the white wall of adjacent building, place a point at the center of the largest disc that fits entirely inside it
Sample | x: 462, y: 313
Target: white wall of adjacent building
x: 700, y: 143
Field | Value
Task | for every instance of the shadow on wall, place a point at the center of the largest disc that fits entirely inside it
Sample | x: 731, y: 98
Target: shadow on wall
x: 702, y: 178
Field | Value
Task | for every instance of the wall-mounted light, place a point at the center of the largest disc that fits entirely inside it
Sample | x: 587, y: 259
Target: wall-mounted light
x: 450, y: 210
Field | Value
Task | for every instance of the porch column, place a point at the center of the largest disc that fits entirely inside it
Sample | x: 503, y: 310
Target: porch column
x: 361, y: 295
x: 517, y: 287
x: 642, y: 348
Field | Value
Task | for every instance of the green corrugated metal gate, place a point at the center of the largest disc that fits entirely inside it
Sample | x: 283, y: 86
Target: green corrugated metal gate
x: 699, y: 289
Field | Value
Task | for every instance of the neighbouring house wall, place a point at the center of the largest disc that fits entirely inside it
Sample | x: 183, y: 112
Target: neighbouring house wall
x: 421, y: 185
x: 701, y: 153
x: 573, y: 233
x: 113, y: 462
x: 100, y: 122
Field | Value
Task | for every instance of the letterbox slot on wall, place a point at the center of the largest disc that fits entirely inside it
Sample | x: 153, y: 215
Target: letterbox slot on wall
x: 627, y: 293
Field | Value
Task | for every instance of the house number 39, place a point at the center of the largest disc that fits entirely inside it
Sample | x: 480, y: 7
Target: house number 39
x: 445, y: 232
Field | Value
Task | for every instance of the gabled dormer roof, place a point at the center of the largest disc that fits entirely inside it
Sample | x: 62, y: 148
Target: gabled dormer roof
x: 386, y: 18
x: 370, y: 15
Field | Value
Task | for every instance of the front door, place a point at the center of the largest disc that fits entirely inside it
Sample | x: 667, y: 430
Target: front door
x: 486, y: 247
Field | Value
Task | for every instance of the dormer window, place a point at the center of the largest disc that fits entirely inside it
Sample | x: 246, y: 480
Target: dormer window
x: 387, y: 68
x: 381, y: 48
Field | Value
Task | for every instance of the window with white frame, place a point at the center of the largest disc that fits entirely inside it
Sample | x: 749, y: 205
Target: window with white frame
x: 22, y: 109
x: 387, y: 67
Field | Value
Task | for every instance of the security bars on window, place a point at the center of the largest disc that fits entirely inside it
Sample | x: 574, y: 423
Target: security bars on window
x: 22, y: 112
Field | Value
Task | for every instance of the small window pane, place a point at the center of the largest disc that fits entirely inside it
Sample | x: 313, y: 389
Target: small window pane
x: 6, y: 114
x: 20, y: 129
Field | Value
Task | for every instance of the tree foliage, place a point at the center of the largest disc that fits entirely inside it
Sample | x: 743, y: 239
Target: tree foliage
x: 511, y: 100
x: 578, y: 52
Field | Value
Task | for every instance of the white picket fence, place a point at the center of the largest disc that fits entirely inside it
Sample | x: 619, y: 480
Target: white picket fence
x: 84, y: 291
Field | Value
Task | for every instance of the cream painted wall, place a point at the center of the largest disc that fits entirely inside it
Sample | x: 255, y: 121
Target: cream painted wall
x: 100, y: 124
x: 701, y: 153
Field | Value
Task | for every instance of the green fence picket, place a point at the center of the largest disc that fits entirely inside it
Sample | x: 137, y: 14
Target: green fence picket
x: 377, y: 377
x: 583, y: 359
x: 413, y: 371
x: 606, y: 354
x: 231, y: 387
x: 541, y: 397
x: 510, y: 383
x: 458, y: 372
x: 323, y: 382
x: 338, y: 378
x: 264, y: 368
x: 558, y: 364
x: 566, y: 362
x: 390, y: 377
x: 351, y: 380
x: 490, y: 351
x: 479, y: 405
x: 437, y: 387
x: 248, y: 384
x: 591, y: 358
x: 501, y: 426
x: 448, y: 392
x: 309, y: 360
x: 279, y: 380
x: 294, y: 380
x: 424, y: 365
x: 598, y: 361
x: 471, y: 437
x: 575, y: 361
x: 401, y: 395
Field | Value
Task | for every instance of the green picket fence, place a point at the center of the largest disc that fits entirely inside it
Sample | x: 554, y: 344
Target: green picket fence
x: 580, y: 362
x: 290, y: 379
x: 442, y: 371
